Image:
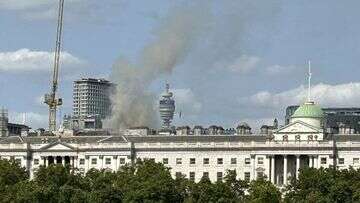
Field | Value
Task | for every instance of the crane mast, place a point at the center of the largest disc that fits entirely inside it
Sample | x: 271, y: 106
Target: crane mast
x: 51, y: 98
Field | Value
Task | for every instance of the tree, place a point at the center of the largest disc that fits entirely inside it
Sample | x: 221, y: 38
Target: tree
x: 182, y: 186
x: 237, y: 185
x: 200, y: 192
x: 147, y: 181
x: 151, y: 182
x: 231, y: 190
x: 103, y: 187
x: 57, y: 183
x: 324, y: 185
x: 263, y: 191
x: 10, y: 174
x: 24, y: 191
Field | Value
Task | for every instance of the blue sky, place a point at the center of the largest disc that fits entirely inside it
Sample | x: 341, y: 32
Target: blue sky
x: 246, y: 63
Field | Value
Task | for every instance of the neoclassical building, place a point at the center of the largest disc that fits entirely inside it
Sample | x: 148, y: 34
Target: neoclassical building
x: 276, y: 153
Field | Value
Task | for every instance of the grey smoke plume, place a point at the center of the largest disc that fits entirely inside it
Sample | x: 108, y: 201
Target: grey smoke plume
x: 133, y: 103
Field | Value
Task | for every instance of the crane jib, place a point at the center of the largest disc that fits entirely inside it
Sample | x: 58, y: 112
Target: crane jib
x: 50, y: 99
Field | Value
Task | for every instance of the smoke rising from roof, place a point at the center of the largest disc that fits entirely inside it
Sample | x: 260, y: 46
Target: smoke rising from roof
x: 133, y: 103
x: 201, y: 38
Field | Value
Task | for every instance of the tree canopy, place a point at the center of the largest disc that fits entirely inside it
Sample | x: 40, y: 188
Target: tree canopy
x: 325, y: 185
x: 147, y: 181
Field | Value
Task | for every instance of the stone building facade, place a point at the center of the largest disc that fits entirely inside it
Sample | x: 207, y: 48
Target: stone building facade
x: 277, y: 155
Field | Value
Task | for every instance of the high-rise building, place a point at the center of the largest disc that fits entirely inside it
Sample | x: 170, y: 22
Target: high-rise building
x: 91, y: 100
x: 11, y: 129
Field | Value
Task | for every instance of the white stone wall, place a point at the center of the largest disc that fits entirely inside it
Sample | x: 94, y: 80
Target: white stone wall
x: 257, y: 154
x: 199, y: 167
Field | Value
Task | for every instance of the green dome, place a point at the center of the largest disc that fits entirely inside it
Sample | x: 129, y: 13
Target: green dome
x: 308, y: 110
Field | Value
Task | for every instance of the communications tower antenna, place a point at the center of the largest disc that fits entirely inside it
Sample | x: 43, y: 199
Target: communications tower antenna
x: 167, y: 107
x: 51, y: 98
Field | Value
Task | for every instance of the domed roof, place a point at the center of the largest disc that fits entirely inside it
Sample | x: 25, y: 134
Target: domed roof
x: 308, y: 110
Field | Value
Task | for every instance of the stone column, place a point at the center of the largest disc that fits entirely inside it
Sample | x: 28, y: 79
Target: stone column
x: 63, y: 160
x: 297, y: 165
x: 285, y: 170
x: 310, y: 161
x: 273, y: 169
x: 102, y: 161
x: 71, y: 161
x: 253, y: 167
x: 46, y: 161
x: 28, y: 160
x: 118, y: 162
x: 76, y: 162
x: 115, y: 158
x: 87, y: 159
x: 316, y: 162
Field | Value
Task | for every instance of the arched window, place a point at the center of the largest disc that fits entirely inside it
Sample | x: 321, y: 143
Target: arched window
x: 285, y: 138
x: 310, y: 137
x: 297, y: 137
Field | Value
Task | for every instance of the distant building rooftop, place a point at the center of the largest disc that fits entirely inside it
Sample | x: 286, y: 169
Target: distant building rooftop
x: 95, y: 80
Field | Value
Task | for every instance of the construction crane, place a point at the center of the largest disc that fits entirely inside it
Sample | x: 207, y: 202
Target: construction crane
x: 51, y: 98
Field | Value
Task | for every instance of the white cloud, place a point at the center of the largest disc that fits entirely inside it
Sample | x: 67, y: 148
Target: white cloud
x: 244, y: 64
x: 247, y: 64
x: 25, y: 60
x: 32, y: 9
x: 326, y: 95
x: 278, y: 69
x: 186, y: 101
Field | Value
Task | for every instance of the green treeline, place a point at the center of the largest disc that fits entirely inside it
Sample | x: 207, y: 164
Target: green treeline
x: 148, y: 181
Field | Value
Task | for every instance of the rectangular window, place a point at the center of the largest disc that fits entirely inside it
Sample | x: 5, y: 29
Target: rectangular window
x: 341, y: 161
x: 247, y: 176
x: 219, y: 176
x: 107, y: 161
x: 261, y: 160
x: 93, y: 161
x: 206, y: 161
x: 233, y: 160
x: 247, y: 161
x: 165, y: 160
x: 192, y: 176
x: 178, y: 161
x: 36, y: 161
x: 206, y: 174
x: 82, y: 161
x: 192, y: 161
x: 122, y: 160
x: 178, y: 174
x: 220, y: 161
x: 323, y: 160
x: 355, y: 160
